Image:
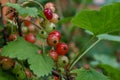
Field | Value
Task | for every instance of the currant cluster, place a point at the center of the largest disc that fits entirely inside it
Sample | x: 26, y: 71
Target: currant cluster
x: 36, y: 31
x: 15, y: 68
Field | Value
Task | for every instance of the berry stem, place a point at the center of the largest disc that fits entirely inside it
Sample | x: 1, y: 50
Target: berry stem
x: 32, y: 1
x: 19, y: 22
x: 39, y: 27
x: 87, y: 44
x: 80, y: 56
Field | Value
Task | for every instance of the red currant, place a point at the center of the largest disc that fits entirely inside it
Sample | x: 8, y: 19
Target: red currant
x: 31, y: 28
x: 7, y: 63
x: 43, y: 34
x: 24, y: 29
x: 11, y: 16
x: 28, y: 73
x: 56, y: 78
x: 27, y: 23
x: 48, y: 13
x: 50, y: 27
x: 30, y: 38
x: 39, y: 51
x: 12, y: 37
x: 54, y: 55
x: 87, y: 66
x: 55, y: 18
x: 63, y: 61
x: 61, y: 48
x: 52, y: 40
x: 50, y: 5
x: 57, y: 33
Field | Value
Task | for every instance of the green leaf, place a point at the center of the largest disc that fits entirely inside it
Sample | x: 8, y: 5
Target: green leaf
x: 6, y: 75
x: 113, y: 73
x: 106, y: 20
x: 24, y: 11
x: 91, y: 74
x: 105, y: 59
x: 109, y: 37
x: 40, y: 64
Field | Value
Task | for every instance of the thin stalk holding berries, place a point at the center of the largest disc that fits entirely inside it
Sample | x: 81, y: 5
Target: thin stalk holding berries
x: 30, y: 1
x: 80, y: 56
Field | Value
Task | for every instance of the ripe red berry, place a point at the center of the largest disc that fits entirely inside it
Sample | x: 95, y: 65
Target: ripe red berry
x: 50, y: 5
x: 56, y: 78
x: 31, y: 28
x: 62, y: 48
x: 52, y: 40
x: 27, y: 23
x: 55, y: 18
x: 57, y: 33
x: 30, y: 38
x: 39, y: 51
x: 87, y: 66
x: 11, y: 16
x: 28, y: 73
x: 12, y: 37
x: 48, y: 13
x: 54, y: 55
x: 7, y: 63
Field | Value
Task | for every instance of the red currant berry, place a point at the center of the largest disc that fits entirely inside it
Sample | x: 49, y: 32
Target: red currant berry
x: 57, y: 33
x: 7, y: 63
x: 30, y: 38
x: 52, y: 40
x: 24, y: 29
x: 27, y: 23
x: 31, y: 28
x: 39, y: 51
x: 50, y: 27
x: 56, y: 78
x: 12, y: 37
x: 50, y: 5
x: 28, y: 73
x: 63, y: 61
x: 87, y: 66
x: 54, y: 55
x: 61, y: 48
x: 55, y: 18
x: 48, y: 13
x: 11, y: 16
x: 43, y: 34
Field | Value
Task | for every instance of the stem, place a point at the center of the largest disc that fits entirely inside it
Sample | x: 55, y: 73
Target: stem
x: 43, y: 44
x: 87, y: 44
x: 39, y: 27
x: 18, y: 23
x: 80, y: 56
x: 29, y: 1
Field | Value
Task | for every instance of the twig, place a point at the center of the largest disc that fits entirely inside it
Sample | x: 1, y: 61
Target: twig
x: 81, y: 55
x: 18, y: 23
x: 39, y: 27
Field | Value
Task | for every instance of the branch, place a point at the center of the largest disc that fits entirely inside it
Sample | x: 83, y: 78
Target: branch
x: 19, y: 22
x: 81, y: 55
